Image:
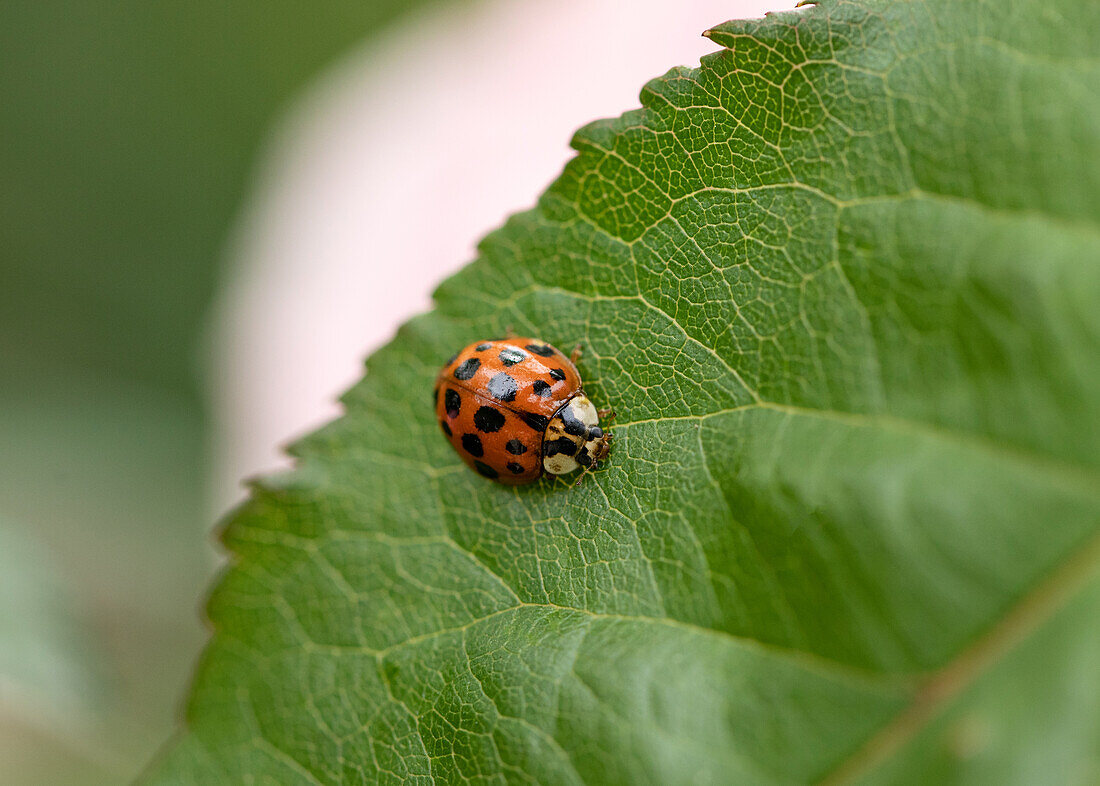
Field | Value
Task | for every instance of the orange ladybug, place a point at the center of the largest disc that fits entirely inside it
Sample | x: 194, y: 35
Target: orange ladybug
x: 514, y: 408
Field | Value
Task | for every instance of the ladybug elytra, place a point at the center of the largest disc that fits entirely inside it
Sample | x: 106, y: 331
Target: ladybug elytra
x: 514, y: 408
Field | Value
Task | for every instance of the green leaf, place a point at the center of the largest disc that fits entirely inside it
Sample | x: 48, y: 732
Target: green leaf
x: 44, y: 669
x: 841, y: 285
x: 50, y: 678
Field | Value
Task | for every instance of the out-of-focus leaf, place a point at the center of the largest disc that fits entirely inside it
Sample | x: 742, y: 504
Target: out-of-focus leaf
x: 104, y: 478
x: 40, y: 652
x: 49, y: 682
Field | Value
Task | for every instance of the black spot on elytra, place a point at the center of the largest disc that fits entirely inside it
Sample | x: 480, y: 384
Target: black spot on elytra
x: 544, y: 350
x: 446, y: 429
x: 482, y: 347
x: 573, y: 424
x: 485, y: 470
x: 488, y: 419
x: 515, y: 469
x: 535, y: 421
x: 467, y: 369
x: 540, y: 388
x: 515, y: 447
x: 453, y: 402
x: 472, y: 445
x: 511, y: 356
x: 562, y: 445
x: 557, y: 374
x: 503, y: 387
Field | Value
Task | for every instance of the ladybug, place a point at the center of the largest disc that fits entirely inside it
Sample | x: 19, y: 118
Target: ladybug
x: 514, y: 408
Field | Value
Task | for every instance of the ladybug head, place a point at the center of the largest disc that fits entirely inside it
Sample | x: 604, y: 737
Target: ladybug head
x: 574, y: 439
x: 596, y: 447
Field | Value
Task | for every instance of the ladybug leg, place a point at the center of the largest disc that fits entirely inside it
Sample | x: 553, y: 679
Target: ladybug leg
x: 575, y: 355
x: 584, y: 472
x: 608, y: 413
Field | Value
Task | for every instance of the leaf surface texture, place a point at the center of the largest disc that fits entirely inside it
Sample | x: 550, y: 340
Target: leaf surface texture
x: 840, y: 284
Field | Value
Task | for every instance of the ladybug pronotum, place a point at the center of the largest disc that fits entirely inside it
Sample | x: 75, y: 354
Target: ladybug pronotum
x: 514, y: 408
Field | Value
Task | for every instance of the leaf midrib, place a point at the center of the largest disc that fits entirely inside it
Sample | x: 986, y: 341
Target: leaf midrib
x: 1067, y: 475
x: 942, y: 686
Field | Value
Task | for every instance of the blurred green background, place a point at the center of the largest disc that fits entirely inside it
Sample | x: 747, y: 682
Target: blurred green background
x: 128, y: 129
